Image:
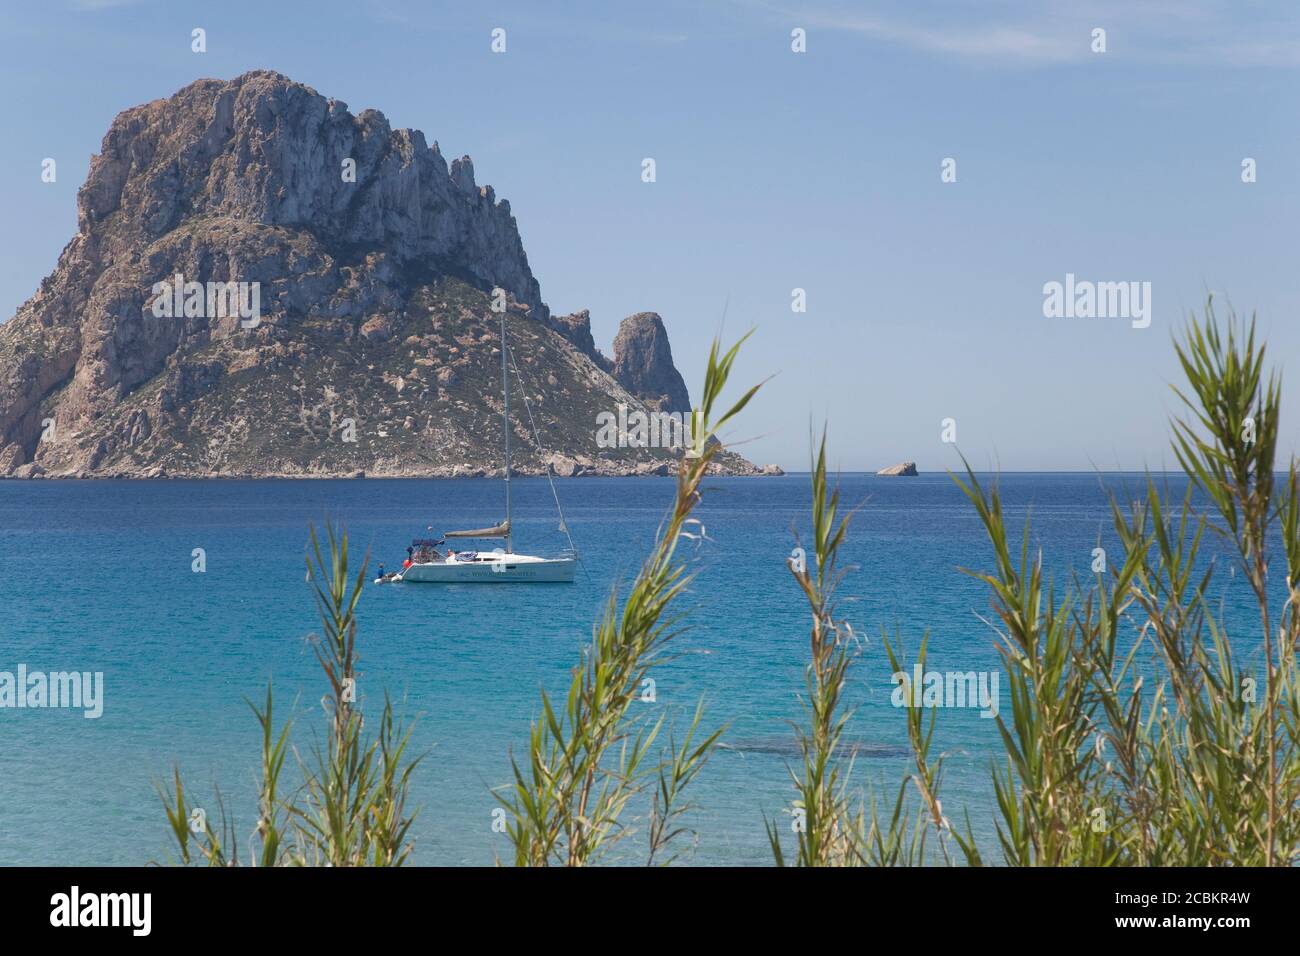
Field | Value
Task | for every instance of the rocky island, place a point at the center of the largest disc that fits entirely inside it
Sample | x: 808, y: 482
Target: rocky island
x: 352, y: 330
x: 905, y: 469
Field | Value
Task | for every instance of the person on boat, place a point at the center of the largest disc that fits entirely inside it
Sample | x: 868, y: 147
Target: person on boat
x: 381, y: 570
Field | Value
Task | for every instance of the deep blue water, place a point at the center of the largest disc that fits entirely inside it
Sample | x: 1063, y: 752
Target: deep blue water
x: 97, y: 577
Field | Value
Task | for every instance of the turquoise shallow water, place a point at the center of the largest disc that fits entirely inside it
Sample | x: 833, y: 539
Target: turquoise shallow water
x: 97, y: 577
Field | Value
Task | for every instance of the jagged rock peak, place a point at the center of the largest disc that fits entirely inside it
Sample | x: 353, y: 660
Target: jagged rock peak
x: 263, y: 148
x: 576, y: 327
x: 643, y: 363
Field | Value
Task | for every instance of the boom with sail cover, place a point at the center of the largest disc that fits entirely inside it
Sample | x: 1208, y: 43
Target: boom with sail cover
x: 500, y: 531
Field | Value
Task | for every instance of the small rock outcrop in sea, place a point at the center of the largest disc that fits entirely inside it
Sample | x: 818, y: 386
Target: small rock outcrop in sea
x: 351, y: 331
x: 906, y: 469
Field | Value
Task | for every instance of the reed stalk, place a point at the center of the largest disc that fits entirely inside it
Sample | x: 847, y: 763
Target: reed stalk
x: 351, y: 806
x: 594, y: 753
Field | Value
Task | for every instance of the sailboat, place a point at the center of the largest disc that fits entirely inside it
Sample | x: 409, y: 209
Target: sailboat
x: 502, y: 565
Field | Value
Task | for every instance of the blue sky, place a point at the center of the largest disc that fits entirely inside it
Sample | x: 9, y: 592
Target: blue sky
x: 778, y: 170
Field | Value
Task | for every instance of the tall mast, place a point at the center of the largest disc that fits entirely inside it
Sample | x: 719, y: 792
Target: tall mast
x: 505, y: 390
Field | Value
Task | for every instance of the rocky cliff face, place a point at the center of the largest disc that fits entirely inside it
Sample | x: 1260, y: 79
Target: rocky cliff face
x: 365, y: 266
x: 576, y: 329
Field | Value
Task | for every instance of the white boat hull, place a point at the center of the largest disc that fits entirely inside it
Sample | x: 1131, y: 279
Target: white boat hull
x: 507, y: 569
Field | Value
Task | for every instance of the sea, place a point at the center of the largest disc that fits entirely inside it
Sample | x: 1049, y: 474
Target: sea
x: 105, y: 577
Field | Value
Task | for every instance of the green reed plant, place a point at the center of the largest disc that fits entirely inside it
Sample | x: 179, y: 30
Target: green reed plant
x: 830, y: 827
x: 592, y: 754
x: 1050, y: 795
x: 351, y: 806
x: 829, y: 830
x: 904, y: 840
x: 1135, y: 736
